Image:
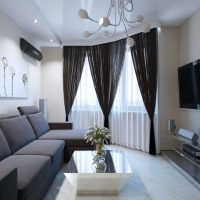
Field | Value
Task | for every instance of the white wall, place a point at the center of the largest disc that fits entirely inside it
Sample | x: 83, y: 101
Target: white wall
x: 9, y: 43
x: 190, y: 51
x: 52, y: 83
x: 168, y: 83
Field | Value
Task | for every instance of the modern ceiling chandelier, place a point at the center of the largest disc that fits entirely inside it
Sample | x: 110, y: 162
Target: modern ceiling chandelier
x: 120, y: 10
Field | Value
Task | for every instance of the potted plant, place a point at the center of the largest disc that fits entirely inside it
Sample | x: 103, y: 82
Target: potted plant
x: 98, y: 136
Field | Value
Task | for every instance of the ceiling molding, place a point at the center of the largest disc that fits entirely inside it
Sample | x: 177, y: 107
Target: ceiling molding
x: 97, y: 41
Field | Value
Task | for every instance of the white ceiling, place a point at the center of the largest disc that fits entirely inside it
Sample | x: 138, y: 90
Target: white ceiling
x: 58, y: 19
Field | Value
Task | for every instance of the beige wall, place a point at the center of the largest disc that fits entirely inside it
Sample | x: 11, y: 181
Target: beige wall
x: 9, y: 43
x: 190, y: 51
x: 168, y: 83
x: 52, y: 83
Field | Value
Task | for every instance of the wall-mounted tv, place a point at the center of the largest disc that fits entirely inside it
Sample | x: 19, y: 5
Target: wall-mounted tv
x: 189, y: 85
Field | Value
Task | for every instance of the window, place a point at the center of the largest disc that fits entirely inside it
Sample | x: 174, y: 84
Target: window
x: 129, y: 121
x: 86, y: 98
x: 128, y: 93
x: 128, y: 96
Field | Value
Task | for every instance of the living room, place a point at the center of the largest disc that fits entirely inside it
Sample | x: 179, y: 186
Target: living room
x: 145, y: 154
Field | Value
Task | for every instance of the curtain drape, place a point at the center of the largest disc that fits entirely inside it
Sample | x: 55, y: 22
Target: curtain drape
x: 74, y: 58
x: 106, y: 61
x: 129, y: 120
x: 145, y: 56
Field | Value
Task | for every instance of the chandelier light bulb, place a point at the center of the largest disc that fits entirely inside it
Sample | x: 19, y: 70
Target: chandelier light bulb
x: 83, y: 14
x: 104, y: 21
x: 130, y: 42
x: 146, y: 27
x: 86, y: 34
x: 140, y: 18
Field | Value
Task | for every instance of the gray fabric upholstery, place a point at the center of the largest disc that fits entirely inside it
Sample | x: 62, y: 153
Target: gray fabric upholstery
x: 73, y: 137
x: 40, y: 191
x: 60, y: 125
x: 8, y: 116
x: 25, y: 110
x: 18, y: 132
x: 8, y: 183
x: 50, y: 148
x: 31, y: 169
x: 4, y: 148
x: 38, y: 123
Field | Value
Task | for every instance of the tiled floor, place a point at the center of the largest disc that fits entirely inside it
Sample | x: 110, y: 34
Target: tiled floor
x: 154, y: 178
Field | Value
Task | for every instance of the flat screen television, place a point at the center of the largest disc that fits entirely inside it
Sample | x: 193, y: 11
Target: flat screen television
x: 189, y: 85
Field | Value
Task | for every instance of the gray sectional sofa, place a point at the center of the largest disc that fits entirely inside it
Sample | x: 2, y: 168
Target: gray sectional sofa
x: 32, y: 152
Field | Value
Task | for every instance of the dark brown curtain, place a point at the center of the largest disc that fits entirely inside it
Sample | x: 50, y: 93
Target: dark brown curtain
x: 74, y: 58
x: 106, y: 61
x: 145, y: 59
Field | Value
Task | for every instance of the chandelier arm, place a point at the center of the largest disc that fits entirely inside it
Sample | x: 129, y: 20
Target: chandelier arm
x: 115, y: 19
x: 120, y: 14
x: 93, y: 20
x: 130, y: 22
x: 110, y: 8
x: 118, y: 22
x: 115, y: 27
x: 132, y: 26
x: 125, y: 6
x: 96, y: 30
x: 125, y: 28
x: 108, y: 14
x: 126, y: 20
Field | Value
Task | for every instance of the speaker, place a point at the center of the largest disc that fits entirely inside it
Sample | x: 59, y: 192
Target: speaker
x: 30, y: 49
x: 43, y: 107
x: 188, y: 134
x: 171, y: 127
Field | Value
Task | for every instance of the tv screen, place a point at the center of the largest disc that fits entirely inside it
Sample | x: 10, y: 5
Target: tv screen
x: 189, y: 85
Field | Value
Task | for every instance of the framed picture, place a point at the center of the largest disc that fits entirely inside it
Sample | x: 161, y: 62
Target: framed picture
x: 13, y: 78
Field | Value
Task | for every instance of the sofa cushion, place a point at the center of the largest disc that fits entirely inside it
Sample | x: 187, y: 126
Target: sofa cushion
x: 4, y: 148
x: 30, y: 171
x: 38, y: 123
x: 73, y: 137
x: 25, y: 110
x: 52, y: 148
x: 18, y: 132
x: 8, y: 116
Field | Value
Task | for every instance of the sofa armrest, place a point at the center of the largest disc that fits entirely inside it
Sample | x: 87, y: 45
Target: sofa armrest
x: 8, y: 183
x: 60, y: 125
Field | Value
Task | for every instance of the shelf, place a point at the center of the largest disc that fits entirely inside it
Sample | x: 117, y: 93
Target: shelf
x: 185, y: 140
x: 185, y: 164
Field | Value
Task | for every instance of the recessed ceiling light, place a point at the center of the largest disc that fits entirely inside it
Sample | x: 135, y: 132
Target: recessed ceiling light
x: 35, y: 21
x: 51, y: 40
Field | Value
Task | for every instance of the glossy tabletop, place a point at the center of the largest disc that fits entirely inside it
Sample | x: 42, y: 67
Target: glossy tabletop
x: 84, y: 162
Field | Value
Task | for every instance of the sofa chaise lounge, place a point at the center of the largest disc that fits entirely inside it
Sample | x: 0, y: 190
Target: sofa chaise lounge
x: 32, y: 152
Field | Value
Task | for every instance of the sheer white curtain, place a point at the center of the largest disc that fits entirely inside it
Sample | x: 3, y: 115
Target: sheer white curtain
x: 86, y: 110
x: 129, y: 121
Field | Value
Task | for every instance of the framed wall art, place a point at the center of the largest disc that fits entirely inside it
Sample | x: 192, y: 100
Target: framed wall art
x: 13, y: 78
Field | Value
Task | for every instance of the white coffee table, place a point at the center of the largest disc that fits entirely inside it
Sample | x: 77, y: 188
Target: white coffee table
x: 88, y: 178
